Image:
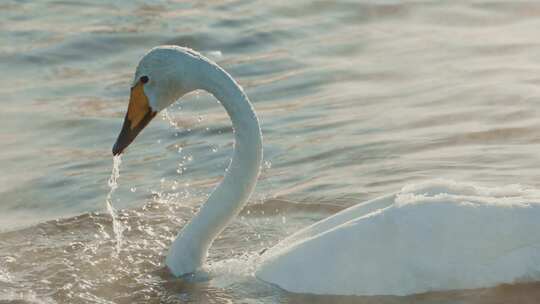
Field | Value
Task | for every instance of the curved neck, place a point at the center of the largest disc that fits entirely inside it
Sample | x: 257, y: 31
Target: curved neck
x: 189, y: 249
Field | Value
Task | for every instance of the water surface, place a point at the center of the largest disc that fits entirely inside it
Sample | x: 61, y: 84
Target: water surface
x: 356, y: 98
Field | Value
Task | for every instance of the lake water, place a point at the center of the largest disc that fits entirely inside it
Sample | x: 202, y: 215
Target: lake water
x: 356, y: 98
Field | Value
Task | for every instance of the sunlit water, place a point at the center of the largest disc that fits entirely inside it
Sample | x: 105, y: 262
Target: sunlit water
x: 356, y: 99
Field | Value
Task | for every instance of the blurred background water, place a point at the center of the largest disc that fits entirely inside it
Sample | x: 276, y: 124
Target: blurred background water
x: 356, y: 99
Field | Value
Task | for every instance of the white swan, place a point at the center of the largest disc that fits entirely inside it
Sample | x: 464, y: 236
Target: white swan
x: 435, y: 236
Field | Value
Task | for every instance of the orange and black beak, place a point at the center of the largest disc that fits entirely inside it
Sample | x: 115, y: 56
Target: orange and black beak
x: 138, y: 115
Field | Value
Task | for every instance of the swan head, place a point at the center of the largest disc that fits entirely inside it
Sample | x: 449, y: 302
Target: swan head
x: 163, y: 75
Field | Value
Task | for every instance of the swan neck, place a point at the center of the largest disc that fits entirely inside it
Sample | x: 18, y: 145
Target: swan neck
x: 189, y: 249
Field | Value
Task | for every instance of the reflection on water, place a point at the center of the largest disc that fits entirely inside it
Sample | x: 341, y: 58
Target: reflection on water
x: 356, y: 99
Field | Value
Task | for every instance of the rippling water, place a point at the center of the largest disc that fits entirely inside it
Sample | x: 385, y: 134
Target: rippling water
x: 357, y: 99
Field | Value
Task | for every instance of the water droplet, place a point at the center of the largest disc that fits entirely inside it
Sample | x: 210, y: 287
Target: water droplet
x: 118, y: 228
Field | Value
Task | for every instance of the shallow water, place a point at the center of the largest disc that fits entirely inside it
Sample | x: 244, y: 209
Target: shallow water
x: 357, y: 99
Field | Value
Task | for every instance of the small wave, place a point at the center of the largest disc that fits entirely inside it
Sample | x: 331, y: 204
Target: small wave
x: 27, y: 297
x: 276, y: 206
x: 448, y: 191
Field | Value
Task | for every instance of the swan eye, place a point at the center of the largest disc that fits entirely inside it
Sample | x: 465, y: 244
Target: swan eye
x: 144, y: 79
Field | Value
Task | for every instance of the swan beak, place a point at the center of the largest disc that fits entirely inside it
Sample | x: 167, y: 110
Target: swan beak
x: 138, y: 115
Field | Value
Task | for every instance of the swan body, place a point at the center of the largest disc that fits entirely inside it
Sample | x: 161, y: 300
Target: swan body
x: 435, y: 236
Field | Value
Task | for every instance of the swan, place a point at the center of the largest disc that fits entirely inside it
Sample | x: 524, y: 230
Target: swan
x: 433, y: 236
